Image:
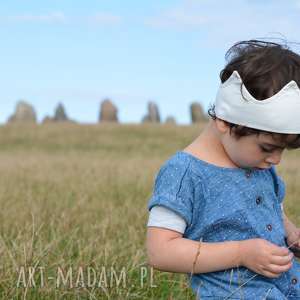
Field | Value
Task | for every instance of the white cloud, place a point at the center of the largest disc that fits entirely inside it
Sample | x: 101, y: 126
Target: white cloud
x: 104, y: 18
x: 60, y: 17
x: 177, y: 18
x: 221, y: 23
x: 55, y: 17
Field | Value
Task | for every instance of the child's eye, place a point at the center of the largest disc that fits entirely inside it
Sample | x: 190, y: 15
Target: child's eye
x: 266, y: 150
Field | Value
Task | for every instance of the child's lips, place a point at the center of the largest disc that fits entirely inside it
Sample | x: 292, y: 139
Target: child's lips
x: 267, y: 167
x: 263, y: 168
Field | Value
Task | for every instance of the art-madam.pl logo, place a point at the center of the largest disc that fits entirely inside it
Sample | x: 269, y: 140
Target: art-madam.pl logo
x: 84, y: 277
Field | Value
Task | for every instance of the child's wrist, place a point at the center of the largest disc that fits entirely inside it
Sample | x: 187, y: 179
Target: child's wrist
x: 242, y: 247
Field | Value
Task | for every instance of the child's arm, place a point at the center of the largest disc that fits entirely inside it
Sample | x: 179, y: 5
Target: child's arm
x: 168, y: 251
x: 292, y: 234
x: 289, y: 226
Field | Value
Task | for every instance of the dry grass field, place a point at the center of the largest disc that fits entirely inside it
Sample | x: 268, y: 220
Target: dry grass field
x: 74, y: 209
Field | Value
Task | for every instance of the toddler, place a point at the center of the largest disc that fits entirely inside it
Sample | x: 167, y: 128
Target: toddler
x: 216, y: 209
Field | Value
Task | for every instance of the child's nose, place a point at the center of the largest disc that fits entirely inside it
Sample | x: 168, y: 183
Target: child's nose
x: 275, y: 157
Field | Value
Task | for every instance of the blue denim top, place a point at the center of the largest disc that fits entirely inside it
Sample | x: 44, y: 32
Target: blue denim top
x: 227, y: 204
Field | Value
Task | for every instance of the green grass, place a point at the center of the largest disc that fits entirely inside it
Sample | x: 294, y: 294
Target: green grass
x: 75, y: 196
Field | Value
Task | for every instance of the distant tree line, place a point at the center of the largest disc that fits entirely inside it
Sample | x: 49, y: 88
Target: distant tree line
x: 25, y: 113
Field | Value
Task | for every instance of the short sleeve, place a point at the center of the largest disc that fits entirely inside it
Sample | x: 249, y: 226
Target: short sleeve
x: 163, y: 217
x: 173, y: 189
x: 279, y: 185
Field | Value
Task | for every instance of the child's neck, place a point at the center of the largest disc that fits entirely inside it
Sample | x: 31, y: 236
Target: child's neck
x: 208, y: 147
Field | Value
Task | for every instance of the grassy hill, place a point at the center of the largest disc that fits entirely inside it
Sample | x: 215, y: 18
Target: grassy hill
x: 74, y: 206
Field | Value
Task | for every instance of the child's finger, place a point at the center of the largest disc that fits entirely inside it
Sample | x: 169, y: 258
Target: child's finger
x: 297, y: 242
x: 279, y: 268
x: 282, y: 260
x: 282, y: 251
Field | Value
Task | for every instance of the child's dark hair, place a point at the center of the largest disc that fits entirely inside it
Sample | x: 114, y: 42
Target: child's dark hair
x: 265, y: 68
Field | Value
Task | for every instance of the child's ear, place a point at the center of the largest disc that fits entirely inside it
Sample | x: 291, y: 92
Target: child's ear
x: 221, y: 125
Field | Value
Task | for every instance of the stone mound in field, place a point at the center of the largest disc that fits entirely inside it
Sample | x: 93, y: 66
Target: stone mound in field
x: 60, y: 114
x: 153, y: 115
x: 197, y: 114
x: 170, y: 120
x: 108, y: 112
x: 47, y: 119
x: 24, y: 113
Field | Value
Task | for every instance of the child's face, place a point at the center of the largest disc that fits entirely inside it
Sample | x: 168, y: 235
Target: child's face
x: 253, y: 151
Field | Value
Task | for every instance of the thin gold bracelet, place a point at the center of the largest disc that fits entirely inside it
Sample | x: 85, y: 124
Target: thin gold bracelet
x: 197, y: 254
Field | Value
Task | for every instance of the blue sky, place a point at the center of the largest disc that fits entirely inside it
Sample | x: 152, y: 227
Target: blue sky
x: 170, y: 52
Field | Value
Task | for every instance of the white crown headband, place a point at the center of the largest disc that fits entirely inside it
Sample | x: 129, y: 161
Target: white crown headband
x: 280, y: 113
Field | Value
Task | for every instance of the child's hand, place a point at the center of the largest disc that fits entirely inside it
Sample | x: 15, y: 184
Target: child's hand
x: 293, y: 241
x: 265, y: 258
